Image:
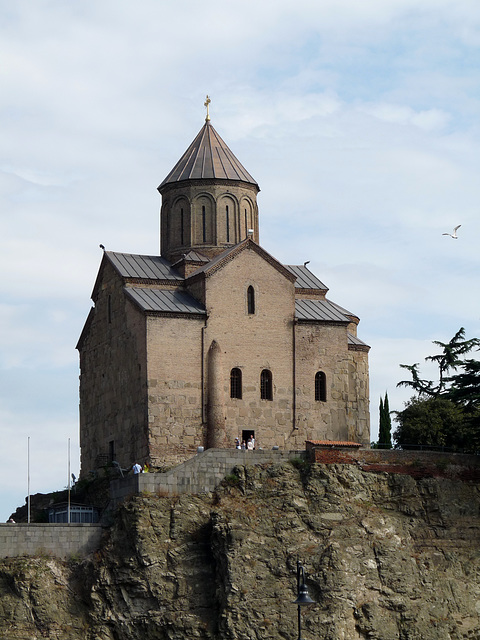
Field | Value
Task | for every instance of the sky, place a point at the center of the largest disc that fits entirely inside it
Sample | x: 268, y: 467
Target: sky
x: 359, y: 121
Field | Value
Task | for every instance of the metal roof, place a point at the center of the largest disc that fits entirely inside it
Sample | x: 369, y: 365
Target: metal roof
x: 305, y: 278
x: 166, y: 301
x: 345, y: 311
x: 356, y: 341
x: 319, y: 310
x: 195, y: 256
x: 130, y: 265
x: 208, y: 157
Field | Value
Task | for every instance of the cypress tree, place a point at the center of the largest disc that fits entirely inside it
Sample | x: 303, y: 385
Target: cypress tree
x: 388, y: 423
x: 385, y: 430
x: 380, y: 424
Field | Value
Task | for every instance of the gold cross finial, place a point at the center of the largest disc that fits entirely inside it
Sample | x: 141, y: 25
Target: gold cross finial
x: 207, y: 102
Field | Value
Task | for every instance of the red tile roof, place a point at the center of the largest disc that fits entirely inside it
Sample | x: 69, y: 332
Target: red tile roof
x: 333, y: 443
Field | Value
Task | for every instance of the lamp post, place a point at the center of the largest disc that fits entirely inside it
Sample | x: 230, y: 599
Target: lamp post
x: 302, y: 595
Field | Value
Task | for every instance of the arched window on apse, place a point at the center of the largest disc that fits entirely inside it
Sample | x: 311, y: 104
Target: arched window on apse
x: 227, y: 223
x: 320, y: 387
x: 204, y: 224
x: 266, y: 386
x: 236, y: 383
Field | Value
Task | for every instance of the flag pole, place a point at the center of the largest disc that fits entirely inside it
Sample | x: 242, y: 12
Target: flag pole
x: 68, y: 520
x: 28, y: 479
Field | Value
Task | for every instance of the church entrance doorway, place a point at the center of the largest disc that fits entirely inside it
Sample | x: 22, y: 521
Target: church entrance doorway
x: 246, y: 435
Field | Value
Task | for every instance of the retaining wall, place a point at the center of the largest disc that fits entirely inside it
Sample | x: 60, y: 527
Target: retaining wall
x: 411, y: 462
x: 59, y: 540
x: 200, y: 474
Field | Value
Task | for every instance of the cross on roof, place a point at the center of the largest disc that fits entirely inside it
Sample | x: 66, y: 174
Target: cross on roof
x: 207, y: 102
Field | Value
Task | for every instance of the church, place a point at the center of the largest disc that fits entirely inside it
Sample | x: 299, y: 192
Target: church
x: 214, y: 339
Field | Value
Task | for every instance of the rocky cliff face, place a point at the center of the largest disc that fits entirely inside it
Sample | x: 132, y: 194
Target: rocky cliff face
x: 387, y: 556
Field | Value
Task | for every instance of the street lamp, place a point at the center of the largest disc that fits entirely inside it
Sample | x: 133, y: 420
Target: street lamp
x: 302, y: 595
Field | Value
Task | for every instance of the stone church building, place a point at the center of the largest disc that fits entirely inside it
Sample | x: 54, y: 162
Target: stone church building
x: 214, y: 339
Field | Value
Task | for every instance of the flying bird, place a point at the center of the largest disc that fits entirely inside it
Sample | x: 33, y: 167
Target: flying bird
x: 454, y: 234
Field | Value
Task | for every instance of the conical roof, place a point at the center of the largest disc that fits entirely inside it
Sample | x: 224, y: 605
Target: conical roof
x: 208, y: 157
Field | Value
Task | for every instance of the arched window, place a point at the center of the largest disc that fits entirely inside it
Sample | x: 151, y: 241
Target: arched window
x: 204, y: 224
x: 227, y: 221
x: 251, y: 300
x: 266, y: 387
x: 182, y: 228
x: 236, y: 383
x: 320, y: 387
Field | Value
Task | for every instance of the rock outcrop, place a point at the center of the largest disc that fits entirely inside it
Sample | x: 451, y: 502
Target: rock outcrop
x: 387, y: 556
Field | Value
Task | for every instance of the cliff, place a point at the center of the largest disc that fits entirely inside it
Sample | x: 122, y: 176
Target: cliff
x: 387, y: 556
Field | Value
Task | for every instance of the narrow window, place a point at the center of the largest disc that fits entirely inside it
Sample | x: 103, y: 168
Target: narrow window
x: 109, y: 309
x: 181, y: 226
x: 266, y: 387
x: 320, y: 387
x: 228, y: 224
x: 246, y: 225
x: 236, y: 383
x: 204, y: 224
x: 251, y: 300
x: 111, y: 450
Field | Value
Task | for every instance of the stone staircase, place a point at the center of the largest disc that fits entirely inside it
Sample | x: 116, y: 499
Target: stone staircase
x: 200, y: 474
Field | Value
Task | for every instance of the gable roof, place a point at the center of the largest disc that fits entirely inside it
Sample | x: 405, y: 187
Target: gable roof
x: 130, y: 265
x: 164, y: 301
x: 305, y: 278
x: 208, y: 157
x: 323, y: 310
x: 355, y: 344
x: 229, y: 254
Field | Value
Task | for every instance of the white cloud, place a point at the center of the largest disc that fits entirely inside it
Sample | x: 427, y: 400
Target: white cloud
x: 428, y: 120
x: 358, y: 119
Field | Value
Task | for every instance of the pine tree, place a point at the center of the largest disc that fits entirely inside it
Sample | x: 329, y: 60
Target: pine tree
x: 444, y: 413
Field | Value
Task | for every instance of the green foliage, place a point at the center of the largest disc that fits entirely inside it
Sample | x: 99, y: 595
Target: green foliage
x: 445, y: 413
x: 231, y: 480
x: 448, y: 359
x: 385, y: 431
x: 300, y: 464
x: 433, y: 422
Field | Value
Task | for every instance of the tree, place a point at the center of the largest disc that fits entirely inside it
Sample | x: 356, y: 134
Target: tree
x: 444, y: 413
x: 434, y: 422
x: 385, y: 430
x: 450, y: 358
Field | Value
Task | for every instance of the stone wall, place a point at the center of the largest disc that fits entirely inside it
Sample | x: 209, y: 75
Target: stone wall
x: 113, y: 379
x: 190, y: 196
x: 174, y: 364
x: 253, y: 342
x: 345, y: 414
x: 413, y: 463
x: 150, y: 392
x: 200, y: 474
x: 59, y: 540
